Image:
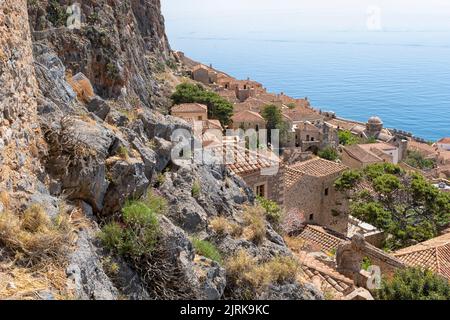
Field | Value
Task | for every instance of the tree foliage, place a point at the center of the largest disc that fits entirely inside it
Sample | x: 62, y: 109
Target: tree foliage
x: 347, y: 138
x: 416, y: 160
x: 218, y: 108
x: 329, y: 153
x: 406, y: 206
x: 415, y: 284
x: 274, y: 120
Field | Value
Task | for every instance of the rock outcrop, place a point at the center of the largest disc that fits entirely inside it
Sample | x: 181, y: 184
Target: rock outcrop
x: 80, y: 125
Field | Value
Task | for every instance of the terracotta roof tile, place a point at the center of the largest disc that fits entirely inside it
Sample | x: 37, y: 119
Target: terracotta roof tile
x: 444, y: 140
x: 433, y: 254
x: 247, y: 116
x: 321, y: 238
x: 189, y: 107
x: 361, y: 154
x: 325, y: 277
x: 245, y: 161
x: 316, y: 167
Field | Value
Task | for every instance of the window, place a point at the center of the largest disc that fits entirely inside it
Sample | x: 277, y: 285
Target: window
x: 311, y: 217
x: 312, y: 138
x: 261, y: 190
x: 326, y: 191
x: 307, y: 137
x: 199, y: 118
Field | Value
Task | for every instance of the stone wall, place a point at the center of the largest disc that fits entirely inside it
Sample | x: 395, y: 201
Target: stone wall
x: 308, y: 196
x: 350, y: 255
x: 273, y: 184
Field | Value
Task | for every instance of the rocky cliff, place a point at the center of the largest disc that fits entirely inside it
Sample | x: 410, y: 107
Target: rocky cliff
x: 83, y: 130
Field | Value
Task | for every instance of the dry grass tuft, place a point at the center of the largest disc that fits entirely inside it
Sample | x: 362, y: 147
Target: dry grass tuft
x: 28, y: 285
x: 4, y: 199
x: 222, y: 226
x: 254, y: 218
x: 249, y: 277
x: 34, y: 240
x: 296, y: 244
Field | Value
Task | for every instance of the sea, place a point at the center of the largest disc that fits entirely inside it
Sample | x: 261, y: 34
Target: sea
x: 366, y: 58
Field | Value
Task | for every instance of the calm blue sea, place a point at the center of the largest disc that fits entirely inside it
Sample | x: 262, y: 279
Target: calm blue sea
x: 400, y: 73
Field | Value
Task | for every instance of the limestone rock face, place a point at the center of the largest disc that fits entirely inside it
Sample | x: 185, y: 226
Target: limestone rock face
x: 119, y: 45
x: 95, y: 151
x: 20, y: 136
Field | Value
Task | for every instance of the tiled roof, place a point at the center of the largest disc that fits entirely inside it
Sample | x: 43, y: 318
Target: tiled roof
x: 252, y: 104
x: 425, y: 149
x: 247, y: 116
x: 444, y: 140
x: 362, y: 155
x: 212, y: 124
x: 324, y: 277
x: 200, y: 66
x: 433, y: 254
x: 318, y: 167
x: 320, y: 238
x: 302, y: 114
x: 189, y: 107
x: 246, y: 161
x: 307, y: 126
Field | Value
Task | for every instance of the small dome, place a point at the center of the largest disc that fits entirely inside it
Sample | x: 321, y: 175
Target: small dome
x: 375, y: 120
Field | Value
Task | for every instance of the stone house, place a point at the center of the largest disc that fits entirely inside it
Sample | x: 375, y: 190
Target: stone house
x: 362, y: 155
x: 204, y: 74
x: 248, y: 120
x: 262, y: 172
x: 308, y: 137
x: 190, y: 112
x: 309, y: 188
x: 444, y: 144
x: 301, y: 114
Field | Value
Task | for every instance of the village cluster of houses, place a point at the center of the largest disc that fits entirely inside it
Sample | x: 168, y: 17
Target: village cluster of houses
x: 303, y: 184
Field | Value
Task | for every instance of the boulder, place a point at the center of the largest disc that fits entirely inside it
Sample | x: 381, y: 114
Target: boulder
x: 212, y: 278
x: 99, y: 107
x: 158, y: 125
x: 50, y: 73
x: 127, y: 181
x: 85, y: 272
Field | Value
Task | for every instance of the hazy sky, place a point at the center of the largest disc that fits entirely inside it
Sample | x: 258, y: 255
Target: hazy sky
x: 231, y: 16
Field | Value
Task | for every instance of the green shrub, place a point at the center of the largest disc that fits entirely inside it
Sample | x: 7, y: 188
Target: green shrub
x: 123, y: 152
x: 207, y: 249
x: 366, y: 263
x: 57, y: 14
x: 196, y: 189
x: 416, y: 160
x: 329, y: 154
x: 111, y: 235
x: 139, y: 234
x: 414, y: 284
x: 347, y: 138
x: 348, y: 180
x: 274, y: 213
x: 218, y: 107
x: 156, y: 203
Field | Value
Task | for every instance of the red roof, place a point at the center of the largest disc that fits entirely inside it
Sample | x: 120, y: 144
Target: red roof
x: 444, y: 140
x: 189, y: 107
x: 433, y: 254
x: 247, y: 116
